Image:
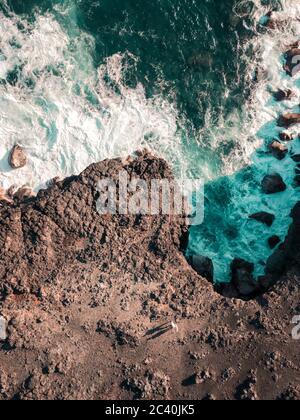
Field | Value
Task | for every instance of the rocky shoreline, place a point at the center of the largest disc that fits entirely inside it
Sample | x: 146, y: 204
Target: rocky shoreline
x: 108, y: 307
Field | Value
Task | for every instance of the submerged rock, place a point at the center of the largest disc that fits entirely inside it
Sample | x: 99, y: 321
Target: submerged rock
x: 289, y: 119
x: 273, y: 184
x: 17, y: 158
x: 203, y: 266
x: 263, y: 217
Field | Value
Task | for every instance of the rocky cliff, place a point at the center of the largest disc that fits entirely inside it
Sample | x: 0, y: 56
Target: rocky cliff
x: 107, y: 306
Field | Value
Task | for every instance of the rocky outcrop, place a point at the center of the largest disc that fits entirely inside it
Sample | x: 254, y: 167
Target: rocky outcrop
x: 283, y: 95
x: 273, y: 184
x: 292, y: 57
x: 263, y: 217
x: 284, y: 136
x: 243, y: 278
x: 17, y: 158
x: 278, y: 150
x: 273, y: 241
x: 106, y: 306
x: 203, y: 266
x: 288, y: 120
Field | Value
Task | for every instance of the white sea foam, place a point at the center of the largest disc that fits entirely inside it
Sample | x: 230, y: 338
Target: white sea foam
x: 71, y: 117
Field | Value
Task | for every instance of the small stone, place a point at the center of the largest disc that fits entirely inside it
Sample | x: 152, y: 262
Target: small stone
x: 203, y: 376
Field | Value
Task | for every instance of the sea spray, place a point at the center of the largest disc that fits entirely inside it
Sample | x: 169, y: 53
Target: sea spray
x: 61, y: 110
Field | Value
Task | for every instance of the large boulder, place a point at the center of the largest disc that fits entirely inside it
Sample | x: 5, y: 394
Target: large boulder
x: 273, y: 184
x: 243, y: 279
x: 289, y: 119
x: 17, y: 158
x: 263, y: 217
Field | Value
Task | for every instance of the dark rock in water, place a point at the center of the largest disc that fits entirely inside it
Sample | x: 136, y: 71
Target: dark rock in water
x: 17, y: 158
x: 273, y: 241
x: 273, y: 184
x: 289, y: 119
x: 297, y: 180
x: 283, y: 95
x: 203, y: 266
x: 295, y: 214
x: 263, y: 217
x: 242, y: 277
x: 278, y: 150
x: 296, y: 158
x: 292, y: 61
x: 284, y: 136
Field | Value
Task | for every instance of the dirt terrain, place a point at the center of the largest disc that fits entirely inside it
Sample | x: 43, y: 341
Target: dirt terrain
x: 107, y: 307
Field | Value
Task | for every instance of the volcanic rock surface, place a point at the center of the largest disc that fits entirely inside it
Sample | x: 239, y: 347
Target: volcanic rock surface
x: 107, y: 307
